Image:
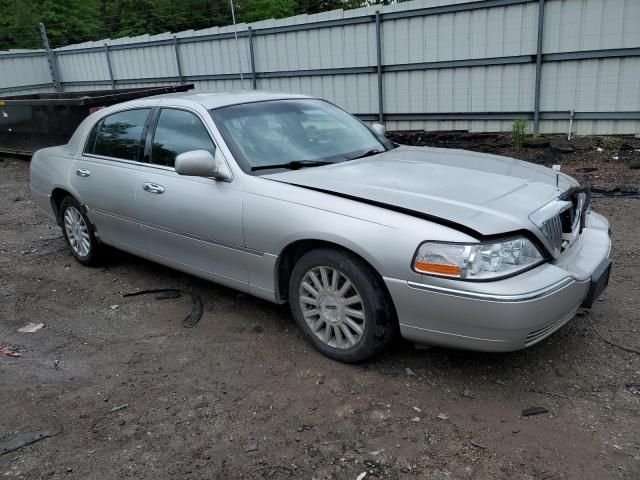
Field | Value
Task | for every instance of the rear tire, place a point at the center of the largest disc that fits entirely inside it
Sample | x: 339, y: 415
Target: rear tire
x: 341, y: 305
x: 78, y: 232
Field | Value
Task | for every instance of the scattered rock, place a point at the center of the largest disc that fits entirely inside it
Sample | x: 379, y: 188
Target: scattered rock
x: 634, y: 163
x: 476, y: 444
x: 466, y: 393
x: 415, y: 419
x: 119, y: 407
x: 344, y: 411
x: 563, y: 148
x: 251, y: 447
x: 586, y: 170
x: 443, y: 416
x: 410, y: 372
x: 417, y: 409
x: 527, y: 412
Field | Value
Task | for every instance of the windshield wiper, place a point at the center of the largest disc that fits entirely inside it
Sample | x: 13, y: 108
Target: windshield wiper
x: 294, y: 165
x: 368, y: 153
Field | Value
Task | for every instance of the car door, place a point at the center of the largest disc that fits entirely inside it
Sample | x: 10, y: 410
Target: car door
x: 105, y: 176
x: 189, y: 221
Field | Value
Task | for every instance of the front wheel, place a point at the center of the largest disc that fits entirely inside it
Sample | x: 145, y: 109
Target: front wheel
x: 77, y: 232
x: 340, y: 305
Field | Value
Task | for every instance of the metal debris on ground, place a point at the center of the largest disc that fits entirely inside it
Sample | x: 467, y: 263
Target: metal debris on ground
x: 23, y: 439
x: 10, y: 351
x: 31, y: 327
x: 633, y: 388
x: 476, y: 444
x: 197, y: 308
x: 119, y: 407
x: 527, y: 412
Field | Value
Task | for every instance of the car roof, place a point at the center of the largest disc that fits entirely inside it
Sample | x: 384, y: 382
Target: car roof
x: 216, y: 99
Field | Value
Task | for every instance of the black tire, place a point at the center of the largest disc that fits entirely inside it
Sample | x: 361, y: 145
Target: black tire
x: 93, y: 254
x: 380, y: 323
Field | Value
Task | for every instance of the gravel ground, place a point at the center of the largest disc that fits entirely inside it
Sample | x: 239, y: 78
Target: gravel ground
x: 242, y: 396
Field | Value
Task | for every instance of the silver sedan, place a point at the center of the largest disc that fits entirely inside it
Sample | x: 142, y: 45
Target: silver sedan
x: 291, y: 199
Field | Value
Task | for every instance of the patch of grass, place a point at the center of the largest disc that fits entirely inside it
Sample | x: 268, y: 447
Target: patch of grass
x: 610, y: 145
x: 519, y: 132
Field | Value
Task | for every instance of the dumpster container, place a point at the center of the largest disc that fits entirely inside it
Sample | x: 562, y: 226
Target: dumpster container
x: 31, y: 122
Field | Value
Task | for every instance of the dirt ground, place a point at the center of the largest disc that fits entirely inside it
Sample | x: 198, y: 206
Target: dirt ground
x: 241, y: 395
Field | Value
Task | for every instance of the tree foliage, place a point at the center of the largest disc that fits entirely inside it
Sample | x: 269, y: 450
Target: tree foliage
x: 75, y: 21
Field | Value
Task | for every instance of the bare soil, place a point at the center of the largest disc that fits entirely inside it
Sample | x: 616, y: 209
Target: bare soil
x: 241, y: 395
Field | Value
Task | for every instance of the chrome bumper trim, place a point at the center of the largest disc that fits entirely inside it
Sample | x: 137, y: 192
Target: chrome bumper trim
x: 522, y: 297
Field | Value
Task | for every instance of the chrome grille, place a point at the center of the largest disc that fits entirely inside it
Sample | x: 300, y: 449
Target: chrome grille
x: 552, y: 230
x: 561, y: 221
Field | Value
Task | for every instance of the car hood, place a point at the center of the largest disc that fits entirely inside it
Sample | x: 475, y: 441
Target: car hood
x: 486, y: 193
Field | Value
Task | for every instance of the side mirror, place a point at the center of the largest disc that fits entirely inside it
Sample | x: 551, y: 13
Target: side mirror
x: 379, y: 129
x: 200, y: 163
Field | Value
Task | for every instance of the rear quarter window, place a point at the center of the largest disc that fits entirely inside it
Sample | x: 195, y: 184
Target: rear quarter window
x: 119, y: 135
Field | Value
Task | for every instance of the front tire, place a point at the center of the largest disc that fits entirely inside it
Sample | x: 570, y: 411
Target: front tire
x: 340, y: 305
x: 77, y: 232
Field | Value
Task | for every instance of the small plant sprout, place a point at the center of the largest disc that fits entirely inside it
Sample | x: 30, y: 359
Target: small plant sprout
x: 519, y: 131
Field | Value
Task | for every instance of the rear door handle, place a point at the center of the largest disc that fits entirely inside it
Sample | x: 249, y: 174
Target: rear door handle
x: 83, y: 172
x: 153, y: 188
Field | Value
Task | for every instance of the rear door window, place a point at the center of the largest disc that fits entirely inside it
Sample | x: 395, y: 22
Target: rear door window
x: 178, y: 131
x: 119, y: 135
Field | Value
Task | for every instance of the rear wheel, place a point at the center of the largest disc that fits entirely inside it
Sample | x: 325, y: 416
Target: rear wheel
x: 340, y: 305
x: 77, y: 232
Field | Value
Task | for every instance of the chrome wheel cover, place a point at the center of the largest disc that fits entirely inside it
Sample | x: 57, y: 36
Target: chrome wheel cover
x: 77, y: 232
x: 332, y: 307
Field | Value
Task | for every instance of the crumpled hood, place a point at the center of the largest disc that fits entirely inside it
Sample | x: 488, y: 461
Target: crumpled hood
x: 487, y: 193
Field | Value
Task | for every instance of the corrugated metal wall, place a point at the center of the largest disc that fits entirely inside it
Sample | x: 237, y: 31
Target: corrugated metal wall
x: 451, y: 64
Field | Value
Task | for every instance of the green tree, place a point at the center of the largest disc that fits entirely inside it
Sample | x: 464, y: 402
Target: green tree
x: 75, y: 21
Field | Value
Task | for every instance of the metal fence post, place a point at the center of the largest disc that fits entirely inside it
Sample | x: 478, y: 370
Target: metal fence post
x: 106, y: 53
x: 536, y: 106
x: 252, y: 59
x: 379, y: 68
x: 176, y: 49
x: 51, y: 59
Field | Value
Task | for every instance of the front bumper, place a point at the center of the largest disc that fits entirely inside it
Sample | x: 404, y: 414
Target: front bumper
x: 508, y: 314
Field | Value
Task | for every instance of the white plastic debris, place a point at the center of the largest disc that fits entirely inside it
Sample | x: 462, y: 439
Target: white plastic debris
x: 114, y: 307
x: 361, y: 476
x: 31, y: 327
x: 615, y: 158
x: 599, y: 149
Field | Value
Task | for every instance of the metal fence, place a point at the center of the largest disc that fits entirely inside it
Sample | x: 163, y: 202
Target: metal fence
x: 437, y: 65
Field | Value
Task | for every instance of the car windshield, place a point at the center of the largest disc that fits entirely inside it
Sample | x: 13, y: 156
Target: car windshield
x: 294, y: 134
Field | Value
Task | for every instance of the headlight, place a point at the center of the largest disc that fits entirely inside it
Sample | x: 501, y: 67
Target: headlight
x: 477, y: 261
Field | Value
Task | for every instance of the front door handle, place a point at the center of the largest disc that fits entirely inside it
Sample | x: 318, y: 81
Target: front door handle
x: 153, y: 188
x: 83, y: 172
